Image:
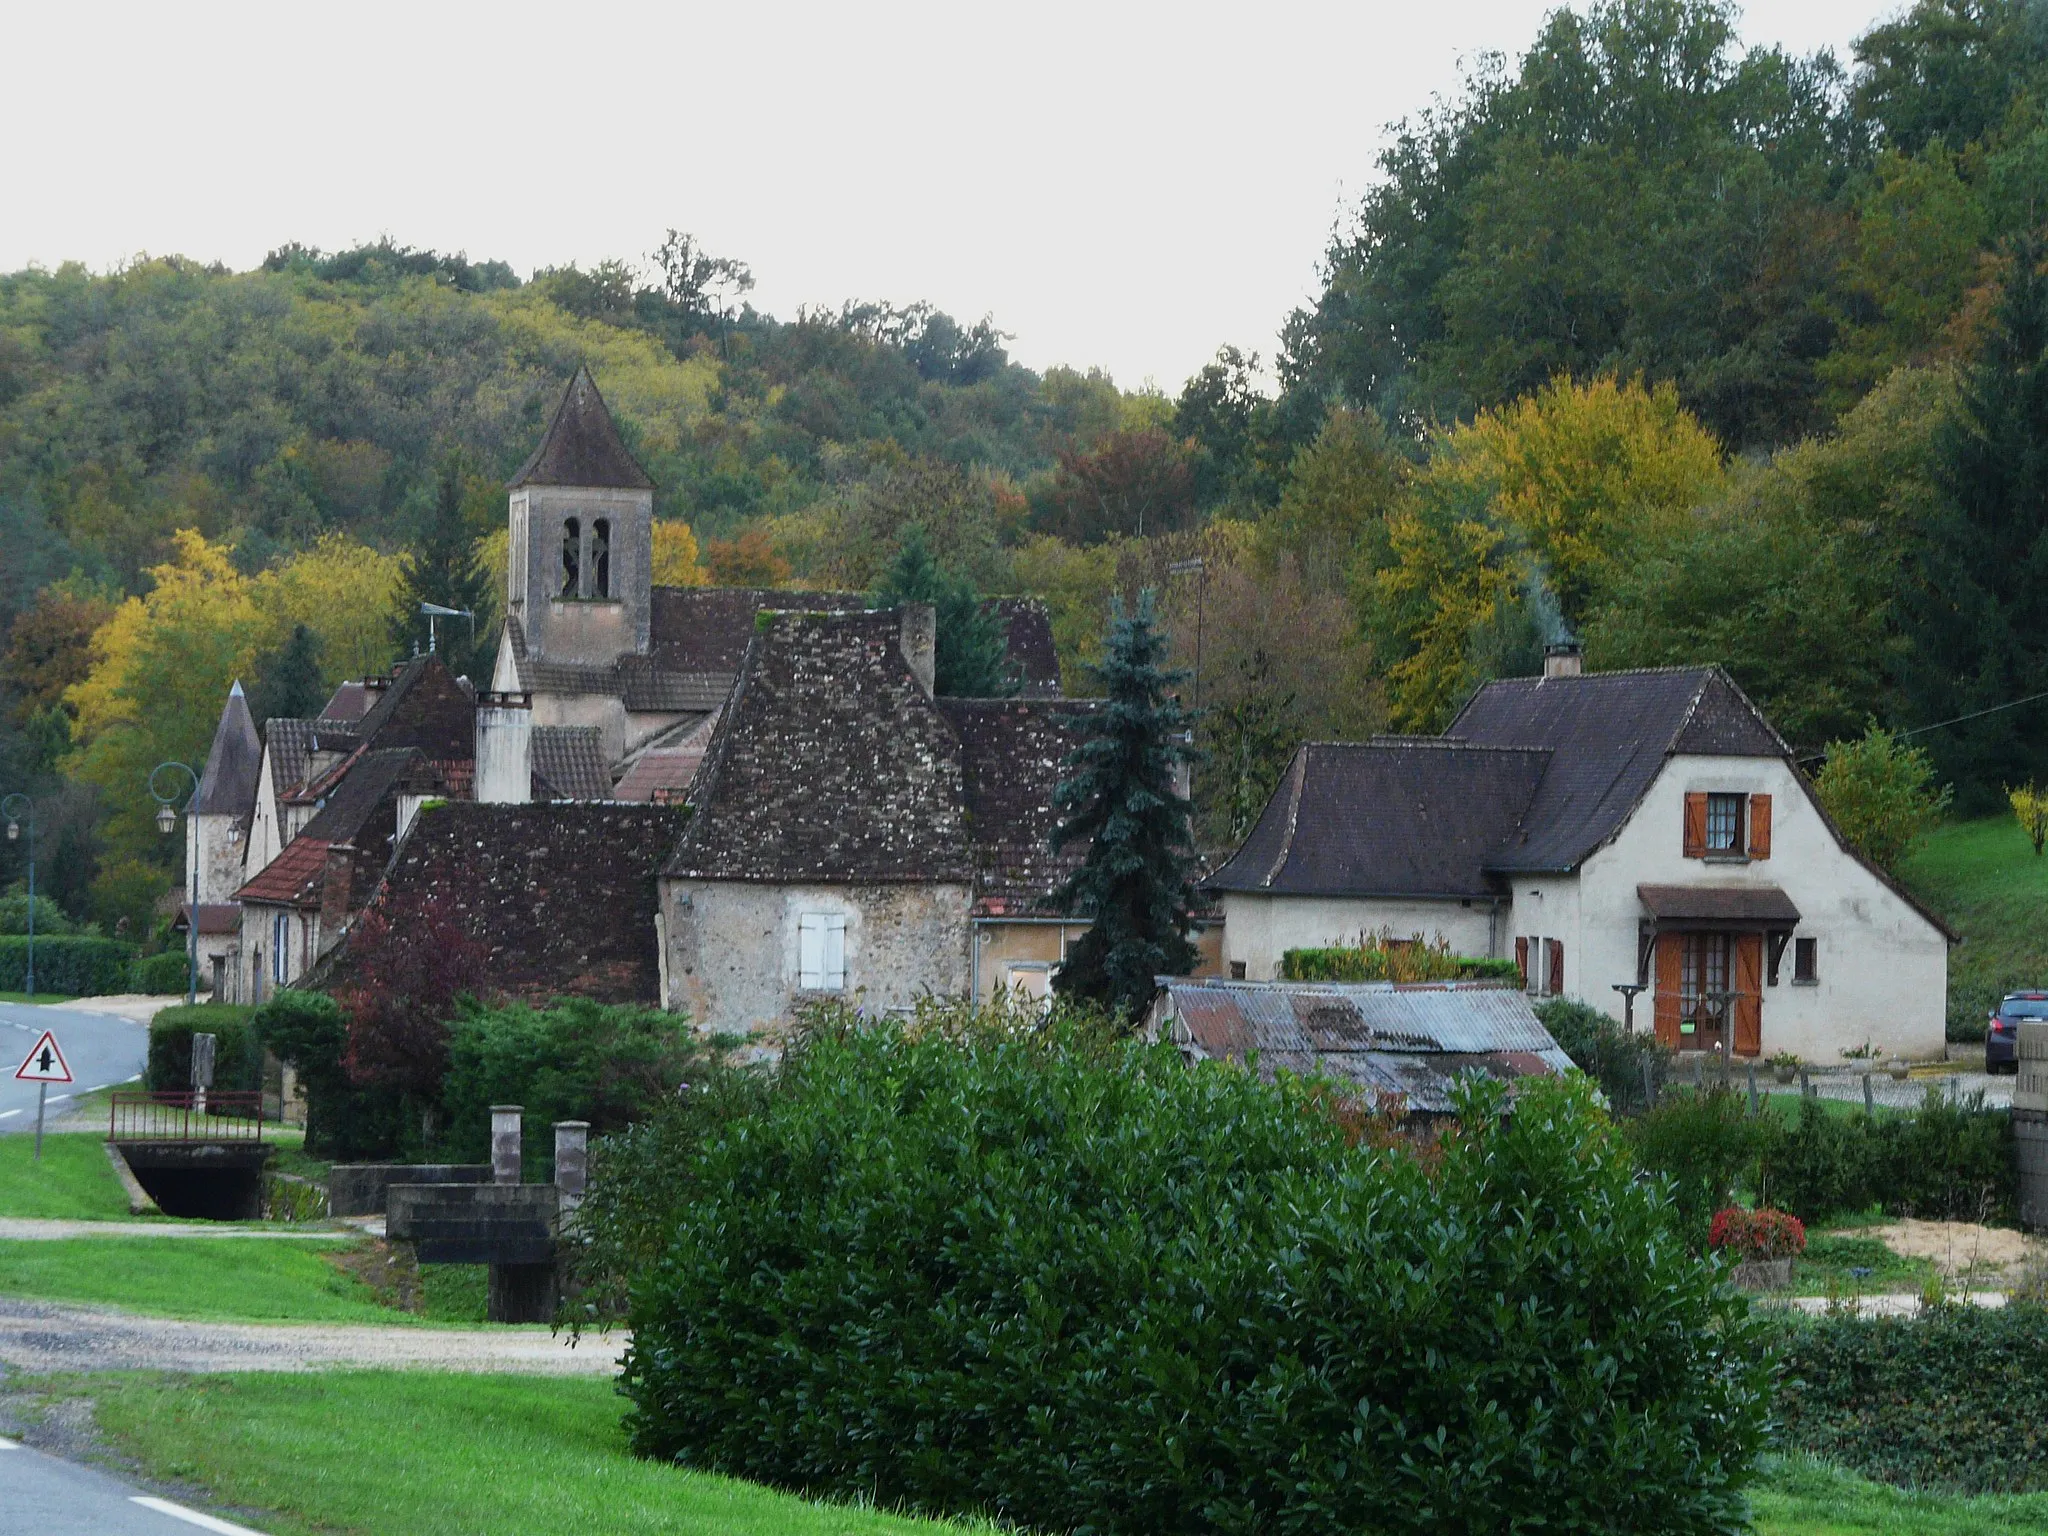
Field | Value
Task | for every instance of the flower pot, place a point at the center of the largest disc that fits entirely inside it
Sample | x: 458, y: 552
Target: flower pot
x: 1899, y: 1071
x: 1762, y: 1274
x: 1784, y: 1074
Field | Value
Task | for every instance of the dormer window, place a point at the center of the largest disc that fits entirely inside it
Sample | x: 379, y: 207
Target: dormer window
x: 601, y: 558
x: 572, y: 557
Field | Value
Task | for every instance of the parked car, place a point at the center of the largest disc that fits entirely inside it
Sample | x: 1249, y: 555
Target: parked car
x: 2002, y: 1044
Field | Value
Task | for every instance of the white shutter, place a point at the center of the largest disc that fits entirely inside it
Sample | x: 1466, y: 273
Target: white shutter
x: 810, y: 951
x: 835, y: 953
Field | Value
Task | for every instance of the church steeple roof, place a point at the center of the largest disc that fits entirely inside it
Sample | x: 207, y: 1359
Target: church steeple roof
x: 582, y: 445
x: 228, y: 786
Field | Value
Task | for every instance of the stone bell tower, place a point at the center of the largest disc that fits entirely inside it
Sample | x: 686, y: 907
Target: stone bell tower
x: 582, y: 558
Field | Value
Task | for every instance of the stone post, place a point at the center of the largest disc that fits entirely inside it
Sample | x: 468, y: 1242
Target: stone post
x: 505, y: 1142
x: 572, y: 1161
x: 202, y: 1068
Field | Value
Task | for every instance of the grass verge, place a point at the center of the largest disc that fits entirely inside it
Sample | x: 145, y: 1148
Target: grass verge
x: 1803, y: 1497
x: 210, y: 1278
x: 74, y: 1181
x: 41, y: 999
x: 439, y: 1455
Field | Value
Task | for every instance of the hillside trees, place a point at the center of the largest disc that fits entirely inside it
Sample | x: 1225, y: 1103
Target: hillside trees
x: 971, y: 660
x: 440, y: 567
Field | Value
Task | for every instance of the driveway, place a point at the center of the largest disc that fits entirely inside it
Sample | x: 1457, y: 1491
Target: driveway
x: 102, y: 1049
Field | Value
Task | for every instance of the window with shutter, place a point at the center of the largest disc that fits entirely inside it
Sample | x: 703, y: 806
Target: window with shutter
x: 821, y: 952
x: 1553, y: 979
x: 1695, y: 826
x: 1759, y: 826
x: 1522, y: 961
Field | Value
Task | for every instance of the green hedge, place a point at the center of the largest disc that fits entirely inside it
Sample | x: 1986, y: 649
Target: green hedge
x: 1109, y: 1292
x: 1956, y: 1398
x: 160, y: 974
x: 1599, y: 1048
x: 1948, y: 1160
x: 237, y: 1052
x: 308, y: 1032
x: 1417, y: 962
x: 70, y: 966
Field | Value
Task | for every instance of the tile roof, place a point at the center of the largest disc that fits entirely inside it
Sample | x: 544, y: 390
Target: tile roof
x: 1011, y: 752
x: 357, y: 790
x: 351, y: 701
x: 1393, y: 816
x: 215, y: 917
x: 426, y: 706
x: 293, y: 878
x: 569, y: 763
x: 829, y: 763
x: 227, y: 787
x: 1719, y: 904
x: 1415, y: 1040
x: 707, y: 629
x: 582, y: 445
x: 563, y: 896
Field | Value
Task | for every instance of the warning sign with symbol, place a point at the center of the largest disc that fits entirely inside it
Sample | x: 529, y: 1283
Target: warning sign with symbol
x: 45, y: 1063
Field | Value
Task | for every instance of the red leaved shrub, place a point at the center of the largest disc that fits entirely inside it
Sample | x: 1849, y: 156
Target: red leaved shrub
x: 1758, y: 1234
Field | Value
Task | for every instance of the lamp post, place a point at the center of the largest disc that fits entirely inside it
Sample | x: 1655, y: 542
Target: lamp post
x: 17, y: 809
x: 166, y: 819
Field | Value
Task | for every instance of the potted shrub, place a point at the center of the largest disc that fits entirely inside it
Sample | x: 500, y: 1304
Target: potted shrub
x: 1762, y: 1243
x: 1900, y: 1069
x: 1784, y: 1065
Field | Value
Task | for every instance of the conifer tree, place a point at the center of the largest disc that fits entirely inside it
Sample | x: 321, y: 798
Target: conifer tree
x: 289, y: 683
x: 1120, y: 796
x: 1971, y: 608
x: 440, y: 567
x: 972, y: 659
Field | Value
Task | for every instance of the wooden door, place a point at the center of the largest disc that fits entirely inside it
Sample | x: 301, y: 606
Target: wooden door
x: 1670, y: 982
x: 1749, y: 989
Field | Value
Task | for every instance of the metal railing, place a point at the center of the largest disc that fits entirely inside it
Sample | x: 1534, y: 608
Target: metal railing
x: 184, y: 1117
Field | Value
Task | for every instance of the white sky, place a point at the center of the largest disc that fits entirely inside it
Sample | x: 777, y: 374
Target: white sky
x: 1122, y: 184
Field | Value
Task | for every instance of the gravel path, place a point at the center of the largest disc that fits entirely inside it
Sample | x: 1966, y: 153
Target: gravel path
x: 50, y: 1336
x: 32, y: 1229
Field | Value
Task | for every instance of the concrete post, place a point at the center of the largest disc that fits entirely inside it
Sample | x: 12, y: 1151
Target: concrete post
x: 505, y: 1143
x: 572, y: 1161
x: 202, y: 1070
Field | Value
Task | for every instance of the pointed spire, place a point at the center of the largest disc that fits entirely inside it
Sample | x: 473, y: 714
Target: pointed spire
x: 582, y: 445
x: 228, y: 786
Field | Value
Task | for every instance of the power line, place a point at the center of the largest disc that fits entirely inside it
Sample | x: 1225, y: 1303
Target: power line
x: 1975, y: 714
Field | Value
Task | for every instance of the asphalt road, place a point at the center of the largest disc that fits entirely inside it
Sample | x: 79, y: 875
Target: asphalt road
x: 101, y: 1050
x: 48, y: 1497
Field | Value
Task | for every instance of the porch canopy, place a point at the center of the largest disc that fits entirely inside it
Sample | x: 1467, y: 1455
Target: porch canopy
x: 1724, y: 908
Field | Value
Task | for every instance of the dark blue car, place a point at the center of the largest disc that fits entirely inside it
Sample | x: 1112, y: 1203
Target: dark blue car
x: 2002, y: 1044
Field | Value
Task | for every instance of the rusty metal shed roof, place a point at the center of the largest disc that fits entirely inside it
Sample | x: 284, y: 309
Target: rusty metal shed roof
x: 1386, y: 1037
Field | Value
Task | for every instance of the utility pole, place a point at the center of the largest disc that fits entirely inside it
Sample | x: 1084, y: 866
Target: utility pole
x: 18, y: 809
x: 166, y: 819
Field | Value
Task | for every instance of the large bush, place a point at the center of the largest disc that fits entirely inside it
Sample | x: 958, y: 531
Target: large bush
x: 1955, y: 1398
x: 1118, y: 1294
x: 237, y: 1052
x: 1598, y: 1047
x: 1951, y: 1159
x: 69, y: 965
x: 1705, y: 1144
x: 1381, y: 957
x: 577, y: 1060
x: 160, y: 974
x: 308, y: 1032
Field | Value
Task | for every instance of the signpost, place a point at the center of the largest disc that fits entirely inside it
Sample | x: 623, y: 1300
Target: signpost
x: 45, y: 1065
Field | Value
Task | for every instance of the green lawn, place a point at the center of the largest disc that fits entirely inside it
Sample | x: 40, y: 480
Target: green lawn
x: 1984, y: 878
x: 438, y: 1455
x: 252, y: 1279
x: 39, y: 999
x: 1803, y: 1497
x: 74, y: 1180
x: 1831, y: 1261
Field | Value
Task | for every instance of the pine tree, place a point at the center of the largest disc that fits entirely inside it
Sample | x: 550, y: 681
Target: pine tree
x: 289, y: 682
x: 441, y: 568
x: 1121, y: 799
x: 1970, y: 609
x: 972, y: 659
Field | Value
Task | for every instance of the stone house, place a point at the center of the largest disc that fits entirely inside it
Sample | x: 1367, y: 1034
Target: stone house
x: 1644, y: 829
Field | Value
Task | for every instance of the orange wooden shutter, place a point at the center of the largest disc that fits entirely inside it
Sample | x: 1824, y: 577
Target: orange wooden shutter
x: 1553, y: 979
x: 1695, y: 826
x: 1749, y: 994
x: 1759, y: 826
x: 1670, y: 982
x: 1522, y: 961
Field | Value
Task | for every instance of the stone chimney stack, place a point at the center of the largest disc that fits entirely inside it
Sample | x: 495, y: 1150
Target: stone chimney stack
x: 920, y: 639
x: 1562, y: 659
x: 504, y: 748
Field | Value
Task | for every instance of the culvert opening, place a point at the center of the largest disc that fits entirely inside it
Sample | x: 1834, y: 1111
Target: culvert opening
x: 210, y: 1183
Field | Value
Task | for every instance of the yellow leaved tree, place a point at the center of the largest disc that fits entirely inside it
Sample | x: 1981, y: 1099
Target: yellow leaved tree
x: 676, y: 558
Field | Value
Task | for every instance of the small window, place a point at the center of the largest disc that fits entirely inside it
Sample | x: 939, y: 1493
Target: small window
x: 821, y: 952
x: 280, y: 948
x: 1805, y: 960
x: 601, y: 558
x: 1237, y: 970
x: 1724, y: 823
x: 572, y: 558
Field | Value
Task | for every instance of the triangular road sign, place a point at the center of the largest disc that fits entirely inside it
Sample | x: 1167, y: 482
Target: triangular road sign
x: 45, y: 1063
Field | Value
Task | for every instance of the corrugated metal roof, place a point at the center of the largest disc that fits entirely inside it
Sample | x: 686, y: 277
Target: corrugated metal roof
x: 1410, y: 1039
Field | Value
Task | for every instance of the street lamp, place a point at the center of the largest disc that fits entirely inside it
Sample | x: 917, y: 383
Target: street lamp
x: 17, y: 809
x: 167, y: 818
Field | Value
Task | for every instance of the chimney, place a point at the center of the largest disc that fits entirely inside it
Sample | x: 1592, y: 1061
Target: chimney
x: 1562, y: 659
x: 504, y: 748
x: 920, y: 638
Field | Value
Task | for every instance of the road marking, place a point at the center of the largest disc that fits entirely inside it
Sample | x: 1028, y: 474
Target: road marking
x: 97, y: 1087
x: 192, y: 1516
x: 57, y: 1098
x: 8, y: 1445
x: 4, y: 1113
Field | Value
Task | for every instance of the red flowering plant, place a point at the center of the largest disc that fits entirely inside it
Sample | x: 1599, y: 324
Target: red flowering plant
x: 1760, y: 1234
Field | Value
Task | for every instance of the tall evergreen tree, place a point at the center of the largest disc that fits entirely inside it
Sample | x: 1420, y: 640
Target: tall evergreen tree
x: 289, y: 682
x: 441, y: 568
x: 1972, y: 603
x: 1121, y: 797
x: 972, y: 658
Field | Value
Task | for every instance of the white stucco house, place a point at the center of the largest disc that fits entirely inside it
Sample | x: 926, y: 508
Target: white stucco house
x: 1640, y: 828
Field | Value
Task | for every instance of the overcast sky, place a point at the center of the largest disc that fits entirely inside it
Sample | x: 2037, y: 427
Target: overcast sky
x: 1120, y: 184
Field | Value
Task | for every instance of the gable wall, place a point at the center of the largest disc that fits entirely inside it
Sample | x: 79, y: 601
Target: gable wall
x: 1883, y: 968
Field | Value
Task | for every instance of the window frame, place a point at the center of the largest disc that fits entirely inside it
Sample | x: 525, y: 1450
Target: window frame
x: 821, y: 960
x: 570, y: 586
x: 280, y: 947
x: 1729, y: 810
x: 1805, y: 961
